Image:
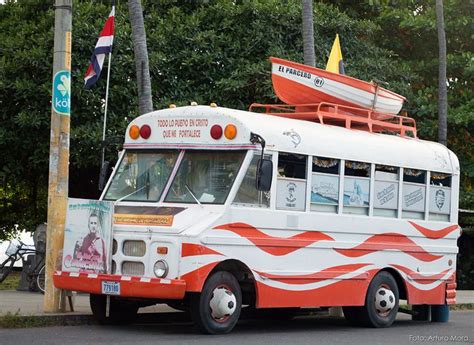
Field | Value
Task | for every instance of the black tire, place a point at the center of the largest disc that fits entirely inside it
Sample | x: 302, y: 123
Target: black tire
x: 202, y: 312
x: 6, y: 268
x: 121, y: 312
x: 40, y: 279
x: 374, y: 314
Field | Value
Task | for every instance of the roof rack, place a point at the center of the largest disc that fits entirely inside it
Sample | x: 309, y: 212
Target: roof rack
x: 343, y: 116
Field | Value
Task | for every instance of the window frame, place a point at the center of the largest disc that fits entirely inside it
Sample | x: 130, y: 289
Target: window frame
x: 292, y: 179
x: 229, y: 191
x: 138, y: 151
x: 398, y: 190
x: 319, y: 207
x: 407, y: 214
x: 238, y: 183
x: 370, y: 178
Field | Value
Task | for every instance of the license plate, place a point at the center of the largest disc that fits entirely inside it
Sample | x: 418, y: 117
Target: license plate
x: 110, y: 288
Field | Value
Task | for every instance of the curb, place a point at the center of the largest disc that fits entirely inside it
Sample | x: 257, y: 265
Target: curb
x: 10, y: 320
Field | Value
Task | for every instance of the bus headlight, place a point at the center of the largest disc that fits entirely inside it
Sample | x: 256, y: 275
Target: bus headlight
x: 160, y: 268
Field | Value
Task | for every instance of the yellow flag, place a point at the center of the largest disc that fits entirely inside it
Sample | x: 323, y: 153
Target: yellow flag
x: 335, y: 63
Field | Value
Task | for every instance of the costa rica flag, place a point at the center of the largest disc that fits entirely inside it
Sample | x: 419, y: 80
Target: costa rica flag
x: 103, y: 47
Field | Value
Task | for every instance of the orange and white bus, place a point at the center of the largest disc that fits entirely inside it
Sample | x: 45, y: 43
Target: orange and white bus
x: 218, y: 208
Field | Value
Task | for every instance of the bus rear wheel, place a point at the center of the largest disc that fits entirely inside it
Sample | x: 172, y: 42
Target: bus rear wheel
x: 216, y: 309
x: 381, y: 304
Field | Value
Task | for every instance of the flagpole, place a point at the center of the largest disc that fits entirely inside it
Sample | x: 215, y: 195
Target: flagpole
x: 105, y: 110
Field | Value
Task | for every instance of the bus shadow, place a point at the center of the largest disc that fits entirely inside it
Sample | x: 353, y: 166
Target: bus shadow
x: 180, y: 323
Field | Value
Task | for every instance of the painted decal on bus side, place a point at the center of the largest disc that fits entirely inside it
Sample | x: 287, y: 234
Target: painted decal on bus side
x: 147, y: 216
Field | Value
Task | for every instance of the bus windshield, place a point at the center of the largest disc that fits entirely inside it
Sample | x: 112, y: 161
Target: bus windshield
x: 142, y: 175
x: 205, y: 177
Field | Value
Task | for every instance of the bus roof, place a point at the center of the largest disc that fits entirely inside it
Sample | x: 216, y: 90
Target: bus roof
x: 190, y: 127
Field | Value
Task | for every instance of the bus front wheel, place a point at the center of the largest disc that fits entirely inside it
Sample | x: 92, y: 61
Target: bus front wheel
x: 216, y: 309
x: 381, y: 303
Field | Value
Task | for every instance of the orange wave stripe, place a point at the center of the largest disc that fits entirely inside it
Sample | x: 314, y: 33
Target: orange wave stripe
x: 416, y: 296
x: 195, y: 279
x: 420, y: 278
x: 434, y: 234
x: 386, y: 241
x: 327, y: 273
x: 339, y: 293
x: 191, y: 249
x: 277, y: 246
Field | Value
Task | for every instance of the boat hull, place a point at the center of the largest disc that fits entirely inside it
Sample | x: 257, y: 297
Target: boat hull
x: 295, y: 83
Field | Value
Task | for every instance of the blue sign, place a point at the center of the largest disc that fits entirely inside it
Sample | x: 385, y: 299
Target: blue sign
x: 62, y: 93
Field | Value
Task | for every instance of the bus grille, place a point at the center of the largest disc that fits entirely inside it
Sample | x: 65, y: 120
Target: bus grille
x: 134, y: 248
x: 133, y: 268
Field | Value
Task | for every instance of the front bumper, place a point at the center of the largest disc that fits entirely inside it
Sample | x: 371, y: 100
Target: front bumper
x: 129, y: 286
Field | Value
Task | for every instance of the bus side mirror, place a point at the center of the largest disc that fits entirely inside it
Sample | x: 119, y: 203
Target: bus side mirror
x: 264, y: 175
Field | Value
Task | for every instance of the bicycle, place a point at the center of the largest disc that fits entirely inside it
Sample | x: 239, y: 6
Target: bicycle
x: 18, y: 250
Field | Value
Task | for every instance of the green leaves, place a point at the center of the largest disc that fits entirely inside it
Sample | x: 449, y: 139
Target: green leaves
x: 212, y: 51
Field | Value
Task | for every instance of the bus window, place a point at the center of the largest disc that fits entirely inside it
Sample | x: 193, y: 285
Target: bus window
x: 386, y: 191
x: 291, y: 165
x: 440, y: 196
x: 356, y: 187
x: 205, y: 175
x: 414, y: 193
x: 325, y: 185
x: 248, y: 194
x: 291, y: 182
x: 142, y: 175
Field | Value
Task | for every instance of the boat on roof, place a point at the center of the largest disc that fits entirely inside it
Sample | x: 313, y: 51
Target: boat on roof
x: 296, y: 83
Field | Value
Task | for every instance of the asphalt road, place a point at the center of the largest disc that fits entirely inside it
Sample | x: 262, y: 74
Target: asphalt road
x: 307, y: 330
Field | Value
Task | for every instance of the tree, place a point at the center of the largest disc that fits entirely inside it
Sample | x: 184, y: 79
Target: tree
x: 213, y: 51
x: 145, y: 102
x: 408, y: 30
x: 308, y: 32
x: 442, y: 92
x: 26, y: 42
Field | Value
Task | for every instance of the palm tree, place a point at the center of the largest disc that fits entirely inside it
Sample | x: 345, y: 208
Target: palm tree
x: 308, y: 34
x: 145, y: 102
x: 442, y: 92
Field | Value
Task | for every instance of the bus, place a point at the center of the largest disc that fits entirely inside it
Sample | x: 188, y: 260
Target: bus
x: 216, y: 209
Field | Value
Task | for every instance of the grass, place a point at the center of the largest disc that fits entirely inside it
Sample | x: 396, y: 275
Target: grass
x: 11, y: 282
x: 10, y: 320
x: 464, y: 306
x: 15, y: 320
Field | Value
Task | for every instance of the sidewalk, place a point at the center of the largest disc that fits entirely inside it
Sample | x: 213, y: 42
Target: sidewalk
x: 464, y: 296
x: 31, y: 303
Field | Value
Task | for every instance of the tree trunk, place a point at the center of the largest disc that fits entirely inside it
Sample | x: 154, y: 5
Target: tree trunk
x: 308, y: 32
x: 443, y: 92
x: 145, y: 102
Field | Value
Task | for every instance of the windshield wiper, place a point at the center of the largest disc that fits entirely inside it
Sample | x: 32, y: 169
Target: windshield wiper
x: 136, y: 191
x: 192, y: 194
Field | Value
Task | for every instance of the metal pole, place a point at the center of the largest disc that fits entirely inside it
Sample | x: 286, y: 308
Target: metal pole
x: 59, y: 151
x: 105, y: 110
